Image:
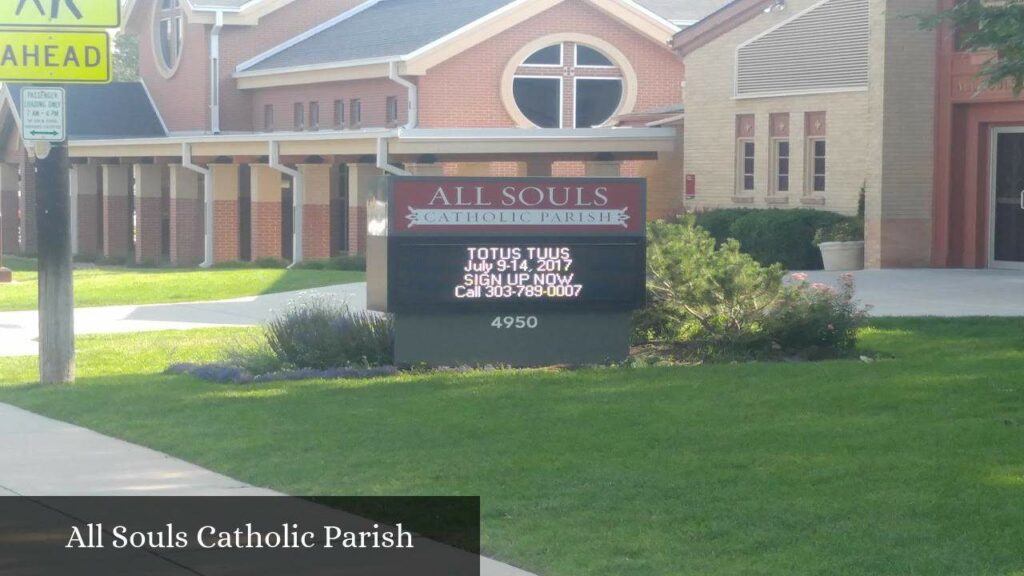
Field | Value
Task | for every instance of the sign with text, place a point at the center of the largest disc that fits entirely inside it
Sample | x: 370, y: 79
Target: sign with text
x: 526, y: 206
x: 43, y: 115
x: 60, y: 13
x: 518, y: 262
x: 55, y: 57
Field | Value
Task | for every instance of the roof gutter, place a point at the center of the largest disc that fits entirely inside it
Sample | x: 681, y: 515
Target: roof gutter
x: 215, y: 72
x: 207, y: 174
x: 298, y: 199
x: 383, y: 162
x: 414, y: 94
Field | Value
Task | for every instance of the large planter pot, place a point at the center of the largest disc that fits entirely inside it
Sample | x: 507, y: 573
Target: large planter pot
x: 842, y: 256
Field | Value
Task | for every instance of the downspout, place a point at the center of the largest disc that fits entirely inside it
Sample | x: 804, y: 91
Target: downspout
x: 207, y: 174
x: 298, y: 199
x: 383, y: 160
x: 215, y: 72
x: 414, y: 94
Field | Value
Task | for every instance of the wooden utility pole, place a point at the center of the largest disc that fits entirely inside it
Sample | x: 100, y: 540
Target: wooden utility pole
x: 56, y: 289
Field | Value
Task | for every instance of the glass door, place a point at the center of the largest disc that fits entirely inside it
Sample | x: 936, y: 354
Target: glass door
x: 1008, y: 199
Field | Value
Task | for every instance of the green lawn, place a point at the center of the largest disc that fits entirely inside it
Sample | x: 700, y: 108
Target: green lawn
x: 114, y: 286
x: 909, y: 465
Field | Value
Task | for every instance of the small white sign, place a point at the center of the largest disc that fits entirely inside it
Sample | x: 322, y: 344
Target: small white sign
x: 43, y: 115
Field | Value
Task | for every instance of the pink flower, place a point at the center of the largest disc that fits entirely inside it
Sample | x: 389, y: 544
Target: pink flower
x: 799, y: 277
x: 821, y: 287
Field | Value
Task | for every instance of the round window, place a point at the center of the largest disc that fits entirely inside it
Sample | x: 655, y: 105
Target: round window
x: 168, y: 35
x: 568, y: 84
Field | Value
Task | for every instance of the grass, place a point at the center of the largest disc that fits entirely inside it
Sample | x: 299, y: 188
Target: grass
x: 116, y: 286
x: 909, y: 465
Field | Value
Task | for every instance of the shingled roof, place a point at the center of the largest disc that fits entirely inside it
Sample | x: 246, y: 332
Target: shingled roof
x: 106, y: 111
x: 389, y: 28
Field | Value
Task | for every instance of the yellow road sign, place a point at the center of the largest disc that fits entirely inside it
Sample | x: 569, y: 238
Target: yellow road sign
x: 60, y: 13
x: 54, y: 57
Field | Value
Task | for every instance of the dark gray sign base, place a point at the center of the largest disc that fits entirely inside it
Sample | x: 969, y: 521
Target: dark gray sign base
x: 474, y: 340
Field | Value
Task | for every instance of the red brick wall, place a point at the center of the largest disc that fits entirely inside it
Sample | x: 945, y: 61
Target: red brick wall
x: 88, y: 225
x: 266, y: 230
x: 316, y: 232
x: 225, y: 231
x: 9, y: 210
x: 356, y: 230
x: 27, y: 205
x: 465, y: 91
x: 116, y: 226
x: 372, y: 94
x: 183, y: 100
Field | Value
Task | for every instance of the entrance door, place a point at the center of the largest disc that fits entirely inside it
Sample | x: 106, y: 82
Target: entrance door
x: 1007, y: 215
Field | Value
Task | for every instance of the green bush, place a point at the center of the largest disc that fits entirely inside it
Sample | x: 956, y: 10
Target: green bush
x: 721, y: 302
x: 785, y: 237
x: 316, y: 332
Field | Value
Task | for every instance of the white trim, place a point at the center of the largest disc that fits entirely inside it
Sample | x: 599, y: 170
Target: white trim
x: 306, y: 35
x: 992, y: 201
x: 800, y: 93
x: 561, y: 97
x: 576, y: 91
x: 809, y: 158
x: 318, y: 67
x: 520, y: 135
x: 250, y: 4
x: 664, y: 121
x: 773, y: 167
x: 741, y: 167
x: 153, y: 104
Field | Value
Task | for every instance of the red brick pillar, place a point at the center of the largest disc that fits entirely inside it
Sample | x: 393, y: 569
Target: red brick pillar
x: 27, y: 205
x: 603, y: 169
x: 9, y: 208
x: 86, y: 210
x: 535, y: 167
x: 117, y: 217
x: 149, y: 213
x: 187, y: 232
x: 265, y: 212
x: 316, y: 212
x: 363, y: 180
x: 225, y: 212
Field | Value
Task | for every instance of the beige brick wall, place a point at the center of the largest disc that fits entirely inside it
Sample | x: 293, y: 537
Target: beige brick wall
x: 710, y: 141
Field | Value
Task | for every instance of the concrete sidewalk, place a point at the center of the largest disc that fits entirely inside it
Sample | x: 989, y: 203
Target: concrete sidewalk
x: 44, y: 457
x: 946, y: 293
x: 19, y: 330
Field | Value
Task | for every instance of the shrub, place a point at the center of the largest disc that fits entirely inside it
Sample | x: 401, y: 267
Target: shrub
x: 816, y: 320
x: 784, y: 237
x: 721, y: 302
x: 842, y: 231
x: 320, y: 333
x: 698, y: 291
x: 254, y: 355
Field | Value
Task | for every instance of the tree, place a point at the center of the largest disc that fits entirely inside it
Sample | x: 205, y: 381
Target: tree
x: 126, y: 58
x: 984, y: 26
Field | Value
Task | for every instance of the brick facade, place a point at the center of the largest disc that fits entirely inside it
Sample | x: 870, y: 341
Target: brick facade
x: 186, y: 217
x: 266, y: 213
x: 316, y: 214
x: 117, y: 212
x: 225, y: 213
x: 27, y: 205
x: 9, y: 184
x: 149, y: 214
x: 85, y: 191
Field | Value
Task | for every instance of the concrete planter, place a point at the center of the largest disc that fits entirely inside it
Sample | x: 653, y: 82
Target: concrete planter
x: 842, y: 256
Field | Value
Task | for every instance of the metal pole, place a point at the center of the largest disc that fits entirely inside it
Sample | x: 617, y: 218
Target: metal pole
x: 56, y: 289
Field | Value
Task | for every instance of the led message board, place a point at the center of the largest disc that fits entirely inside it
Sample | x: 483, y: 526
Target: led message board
x: 509, y: 266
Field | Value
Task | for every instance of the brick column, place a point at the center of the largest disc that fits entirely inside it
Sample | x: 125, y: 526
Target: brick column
x: 265, y: 212
x: 603, y: 169
x: 187, y: 232
x: 27, y: 205
x: 473, y: 169
x: 149, y: 213
x: 425, y: 169
x: 117, y: 218
x: 363, y: 180
x: 225, y: 212
x: 316, y: 212
x: 9, y: 207
x: 86, y: 207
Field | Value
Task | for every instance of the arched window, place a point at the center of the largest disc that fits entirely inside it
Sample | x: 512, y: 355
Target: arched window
x: 168, y: 34
x: 568, y: 85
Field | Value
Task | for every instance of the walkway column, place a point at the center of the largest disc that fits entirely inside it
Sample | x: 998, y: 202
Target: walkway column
x: 117, y: 217
x: 316, y: 212
x: 535, y: 168
x: 187, y: 232
x: 85, y: 204
x: 473, y: 169
x: 9, y: 207
x: 225, y: 212
x: 363, y: 180
x: 27, y: 205
x: 265, y: 212
x: 149, y: 213
x: 603, y: 169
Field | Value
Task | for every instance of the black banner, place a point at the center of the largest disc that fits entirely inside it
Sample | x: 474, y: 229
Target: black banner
x: 224, y: 536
